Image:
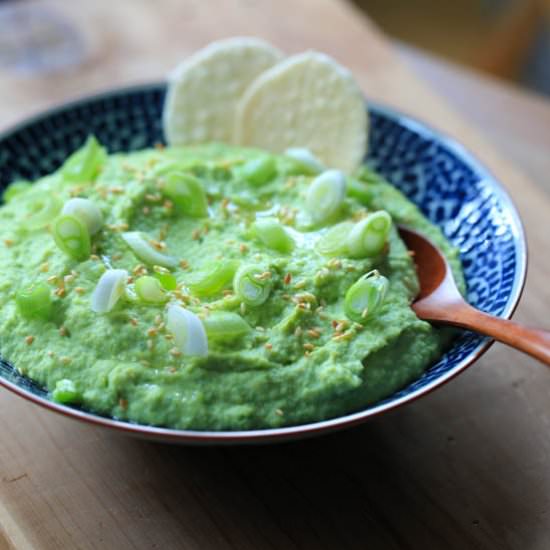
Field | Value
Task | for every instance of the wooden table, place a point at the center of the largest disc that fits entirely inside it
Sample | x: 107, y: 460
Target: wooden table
x: 465, y: 467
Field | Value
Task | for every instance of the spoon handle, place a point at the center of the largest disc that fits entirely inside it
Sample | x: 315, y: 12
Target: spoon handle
x: 535, y: 342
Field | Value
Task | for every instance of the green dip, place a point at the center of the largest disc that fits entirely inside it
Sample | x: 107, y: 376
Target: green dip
x: 299, y: 360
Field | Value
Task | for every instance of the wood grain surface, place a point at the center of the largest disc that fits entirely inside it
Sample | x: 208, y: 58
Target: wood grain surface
x: 465, y: 467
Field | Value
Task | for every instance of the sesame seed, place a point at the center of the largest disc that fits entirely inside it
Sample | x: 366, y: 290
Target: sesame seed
x: 52, y: 279
x: 300, y: 284
x: 227, y: 292
x: 146, y: 210
x: 60, y: 292
x: 287, y: 279
x: 168, y: 337
x: 344, y: 336
x: 298, y: 331
x: 268, y: 346
x: 158, y: 319
x: 29, y: 340
x: 151, y: 332
x: 260, y: 328
x: 123, y: 403
x: 243, y: 249
x: 242, y: 308
x: 8, y: 242
x: 175, y: 352
x: 195, y: 235
x: 68, y: 279
x: 184, y: 264
x: 50, y: 353
x: 411, y: 253
x: 94, y: 257
x: 133, y: 322
x: 335, y: 263
x: 364, y: 313
x: 116, y: 190
x: 308, y: 346
x: 279, y: 412
x: 44, y: 268
x: 66, y: 360
x: 64, y: 331
x: 314, y: 333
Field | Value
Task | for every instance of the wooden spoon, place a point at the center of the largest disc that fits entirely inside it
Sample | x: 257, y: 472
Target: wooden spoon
x: 439, y: 301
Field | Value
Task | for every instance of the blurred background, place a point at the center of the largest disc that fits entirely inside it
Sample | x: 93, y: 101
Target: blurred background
x: 506, y: 38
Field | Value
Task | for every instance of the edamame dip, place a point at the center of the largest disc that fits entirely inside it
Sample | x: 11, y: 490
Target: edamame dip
x: 212, y: 287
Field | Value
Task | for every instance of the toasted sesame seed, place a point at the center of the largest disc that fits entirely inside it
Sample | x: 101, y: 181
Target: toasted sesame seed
x: 94, y: 257
x: 64, y: 331
x: 308, y: 346
x: 169, y: 337
x: 152, y: 332
x: 29, y: 340
x: 45, y: 267
x: 196, y: 234
x: 66, y: 360
x: 8, y: 242
x: 268, y: 346
x: 52, y: 279
x: 314, y: 333
x: 343, y: 336
x: 60, y: 292
x: 335, y: 263
x: 133, y: 322
x: 243, y: 249
x: 184, y: 264
x: 287, y: 279
x: 123, y: 403
x: 175, y: 352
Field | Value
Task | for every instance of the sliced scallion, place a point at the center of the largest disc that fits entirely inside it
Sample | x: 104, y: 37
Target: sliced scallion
x: 258, y: 171
x: 187, y: 193
x: 34, y: 302
x: 325, y: 195
x: 84, y: 164
x: 225, y: 326
x: 368, y: 237
x: 86, y: 211
x: 167, y: 280
x: 65, y: 392
x: 212, y: 278
x: 334, y: 241
x: 149, y: 290
x: 365, y: 296
x: 188, y: 331
x: 273, y: 235
x: 72, y: 237
x: 108, y: 290
x: 145, y: 251
x: 251, y: 286
x: 306, y: 159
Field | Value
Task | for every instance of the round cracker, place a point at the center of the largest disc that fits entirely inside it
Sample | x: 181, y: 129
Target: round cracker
x: 204, y: 90
x: 307, y: 100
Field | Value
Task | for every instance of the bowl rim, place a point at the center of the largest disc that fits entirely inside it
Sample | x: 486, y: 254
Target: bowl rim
x: 310, y: 429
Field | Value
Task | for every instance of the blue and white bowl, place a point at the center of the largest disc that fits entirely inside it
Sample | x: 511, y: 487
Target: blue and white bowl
x: 449, y: 185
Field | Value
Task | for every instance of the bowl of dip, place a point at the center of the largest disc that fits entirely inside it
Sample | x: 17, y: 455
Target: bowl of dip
x: 454, y: 192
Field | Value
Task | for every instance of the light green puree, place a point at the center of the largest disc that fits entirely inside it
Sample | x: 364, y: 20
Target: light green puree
x: 301, y: 359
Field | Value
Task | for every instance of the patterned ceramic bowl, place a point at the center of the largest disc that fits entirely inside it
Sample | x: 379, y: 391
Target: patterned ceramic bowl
x: 452, y: 188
